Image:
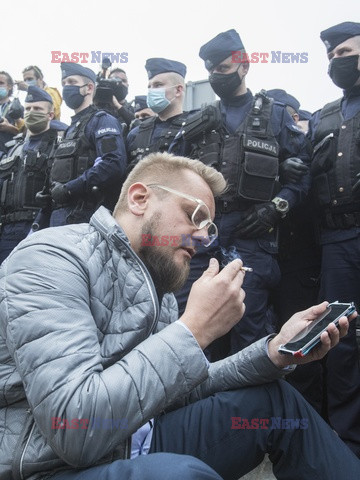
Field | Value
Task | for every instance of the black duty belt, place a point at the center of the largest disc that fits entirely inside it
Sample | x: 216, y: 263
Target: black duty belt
x: 223, y: 206
x: 21, y: 216
x: 341, y: 220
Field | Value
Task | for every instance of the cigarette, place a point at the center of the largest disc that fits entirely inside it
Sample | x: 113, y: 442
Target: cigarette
x: 246, y: 269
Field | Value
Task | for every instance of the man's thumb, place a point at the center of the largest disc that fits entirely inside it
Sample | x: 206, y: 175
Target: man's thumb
x: 213, y: 268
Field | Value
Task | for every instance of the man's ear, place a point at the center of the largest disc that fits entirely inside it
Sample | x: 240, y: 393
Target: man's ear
x: 179, y: 89
x: 138, y: 196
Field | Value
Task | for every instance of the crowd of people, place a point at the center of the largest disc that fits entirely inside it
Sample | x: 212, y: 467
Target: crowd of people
x: 123, y: 241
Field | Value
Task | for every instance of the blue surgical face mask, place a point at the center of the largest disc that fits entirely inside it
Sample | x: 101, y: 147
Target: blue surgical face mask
x: 3, y: 92
x: 72, y: 96
x: 31, y: 83
x: 156, y: 99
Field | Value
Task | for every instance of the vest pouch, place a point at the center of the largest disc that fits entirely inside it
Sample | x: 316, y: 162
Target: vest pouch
x: 63, y: 168
x: 258, y: 176
x: 209, y: 152
x: 26, y: 188
x: 324, y: 155
x: 8, y: 170
x: 82, y: 165
x: 321, y: 189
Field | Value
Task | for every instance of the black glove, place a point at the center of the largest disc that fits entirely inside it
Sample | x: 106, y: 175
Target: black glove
x: 261, y: 218
x: 59, y: 193
x: 356, y: 188
x: 43, y: 199
x: 291, y: 170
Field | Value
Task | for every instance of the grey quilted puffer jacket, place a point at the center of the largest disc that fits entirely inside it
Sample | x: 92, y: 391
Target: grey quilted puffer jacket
x: 77, y: 313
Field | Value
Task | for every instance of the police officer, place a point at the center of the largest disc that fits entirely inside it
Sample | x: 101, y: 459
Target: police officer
x: 299, y: 260
x: 246, y: 142
x: 89, y: 164
x: 23, y: 171
x: 165, y: 97
x: 334, y: 132
x: 124, y: 110
x: 10, y: 123
x: 141, y: 110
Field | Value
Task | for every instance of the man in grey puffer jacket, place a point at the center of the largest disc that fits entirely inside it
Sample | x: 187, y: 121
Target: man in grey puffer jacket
x: 88, y: 357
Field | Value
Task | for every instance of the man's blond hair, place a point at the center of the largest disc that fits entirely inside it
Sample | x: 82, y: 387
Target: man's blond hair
x: 164, y: 168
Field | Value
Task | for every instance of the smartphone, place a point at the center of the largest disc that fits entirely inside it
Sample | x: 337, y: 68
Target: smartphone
x: 309, y: 337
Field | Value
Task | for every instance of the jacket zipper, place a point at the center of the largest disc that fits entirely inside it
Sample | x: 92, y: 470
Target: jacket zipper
x: 23, y: 453
x: 147, y: 277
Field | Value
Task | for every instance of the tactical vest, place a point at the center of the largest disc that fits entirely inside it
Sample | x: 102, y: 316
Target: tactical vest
x: 335, y: 164
x: 248, y: 158
x: 22, y: 175
x: 143, y: 145
x: 74, y: 154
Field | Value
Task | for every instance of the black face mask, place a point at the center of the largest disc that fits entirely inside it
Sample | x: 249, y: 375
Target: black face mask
x: 224, y: 85
x: 344, y: 71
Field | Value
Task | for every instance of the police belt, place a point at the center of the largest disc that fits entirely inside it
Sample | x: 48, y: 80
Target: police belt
x: 20, y: 216
x: 223, y: 206
x: 340, y: 220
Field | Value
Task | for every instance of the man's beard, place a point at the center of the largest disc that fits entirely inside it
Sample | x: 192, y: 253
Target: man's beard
x: 166, y: 274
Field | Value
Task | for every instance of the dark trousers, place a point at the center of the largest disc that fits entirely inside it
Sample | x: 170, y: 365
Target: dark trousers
x: 340, y: 280
x: 70, y: 215
x: 300, y: 444
x: 158, y: 466
x: 11, y: 235
x: 298, y: 290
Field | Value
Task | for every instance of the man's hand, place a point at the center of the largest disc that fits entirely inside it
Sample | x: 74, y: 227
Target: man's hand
x: 261, y: 218
x: 215, y: 303
x: 116, y: 103
x: 6, y: 126
x: 292, y: 170
x: 21, y: 85
x: 59, y: 193
x: 297, y: 322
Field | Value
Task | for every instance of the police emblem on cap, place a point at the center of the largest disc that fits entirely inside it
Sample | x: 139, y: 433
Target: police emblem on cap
x: 149, y: 73
x: 327, y: 44
x: 29, y: 97
x: 137, y: 105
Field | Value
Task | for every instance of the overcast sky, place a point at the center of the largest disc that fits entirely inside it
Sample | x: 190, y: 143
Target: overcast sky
x: 31, y: 30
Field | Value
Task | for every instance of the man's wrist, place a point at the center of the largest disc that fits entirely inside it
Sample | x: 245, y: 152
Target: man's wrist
x: 277, y: 358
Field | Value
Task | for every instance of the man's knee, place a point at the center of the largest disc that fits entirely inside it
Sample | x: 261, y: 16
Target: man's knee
x: 177, y: 467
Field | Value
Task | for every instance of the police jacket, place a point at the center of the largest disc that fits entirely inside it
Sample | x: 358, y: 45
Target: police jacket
x: 23, y: 173
x: 91, y: 158
x: 335, y: 131
x: 152, y: 135
x: 246, y: 143
x: 77, y: 312
x: 5, y: 111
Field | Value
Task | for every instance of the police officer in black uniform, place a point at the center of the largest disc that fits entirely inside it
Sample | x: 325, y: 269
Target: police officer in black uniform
x: 141, y: 111
x: 23, y: 171
x: 335, y: 133
x: 89, y: 164
x: 165, y: 97
x: 299, y: 260
x: 245, y: 137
